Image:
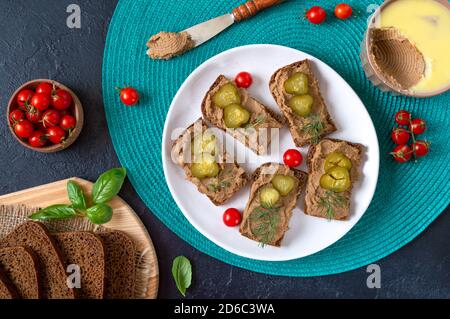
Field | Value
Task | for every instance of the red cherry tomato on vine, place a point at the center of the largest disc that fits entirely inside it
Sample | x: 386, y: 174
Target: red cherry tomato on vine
x: 40, y: 101
x: 51, y: 118
x: 56, y: 135
x: 418, y: 126
x: 68, y: 122
x: 343, y: 11
x: 292, y: 158
x: 23, y: 129
x: 61, y: 99
x: 129, y: 96
x: 15, y: 116
x: 402, y: 153
x: 232, y: 217
x: 403, y: 117
x: 421, y: 148
x: 45, y: 88
x: 37, y: 139
x: 316, y: 15
x: 243, y: 80
x: 34, y: 115
x: 400, y: 136
x: 24, y: 97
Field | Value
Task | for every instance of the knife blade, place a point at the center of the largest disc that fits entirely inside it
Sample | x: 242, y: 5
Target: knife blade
x: 204, y: 31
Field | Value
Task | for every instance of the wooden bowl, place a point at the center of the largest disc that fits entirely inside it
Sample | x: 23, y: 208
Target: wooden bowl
x: 77, y: 111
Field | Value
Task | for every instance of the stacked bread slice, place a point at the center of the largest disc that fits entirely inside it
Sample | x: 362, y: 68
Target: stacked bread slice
x: 36, y: 264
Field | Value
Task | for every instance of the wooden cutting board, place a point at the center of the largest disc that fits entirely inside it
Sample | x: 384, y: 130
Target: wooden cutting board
x: 124, y: 219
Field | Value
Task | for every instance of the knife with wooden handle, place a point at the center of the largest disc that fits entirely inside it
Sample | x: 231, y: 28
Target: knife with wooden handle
x: 202, y: 32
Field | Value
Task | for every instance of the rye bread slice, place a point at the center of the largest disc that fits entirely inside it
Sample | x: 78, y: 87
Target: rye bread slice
x: 53, y: 276
x: 20, y: 267
x: 120, y: 264
x: 261, y: 178
x: 233, y: 174
x: 84, y: 249
x: 7, y: 289
x: 258, y: 134
x: 297, y: 124
x: 314, y: 192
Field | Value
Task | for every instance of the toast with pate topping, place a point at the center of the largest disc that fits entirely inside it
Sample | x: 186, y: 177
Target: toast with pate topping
x: 304, y: 108
x: 206, y: 165
x: 234, y: 111
x: 334, y: 167
x: 273, y: 196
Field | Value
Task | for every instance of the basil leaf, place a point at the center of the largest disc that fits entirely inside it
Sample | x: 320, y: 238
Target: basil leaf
x: 76, y: 195
x: 99, y: 214
x: 55, y: 212
x: 108, y: 185
x: 182, y: 273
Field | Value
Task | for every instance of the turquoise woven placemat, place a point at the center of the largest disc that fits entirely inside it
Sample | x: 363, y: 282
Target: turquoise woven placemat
x: 408, y: 197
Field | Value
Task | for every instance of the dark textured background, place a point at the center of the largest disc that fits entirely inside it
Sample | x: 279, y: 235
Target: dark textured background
x: 35, y: 43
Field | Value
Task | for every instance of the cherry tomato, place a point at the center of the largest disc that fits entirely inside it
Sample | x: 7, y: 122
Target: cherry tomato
x: 23, y: 129
x: 343, y: 11
x: 68, y: 122
x: 34, y: 115
x: 418, y: 126
x: 232, y: 217
x: 400, y: 136
x: 421, y: 148
x: 243, y: 80
x: 402, y: 153
x: 40, y: 101
x: 129, y: 96
x: 51, y: 118
x: 56, y: 134
x: 37, y: 139
x: 403, y: 117
x: 45, y: 88
x: 15, y: 116
x: 316, y: 15
x: 292, y: 158
x: 24, y: 98
x: 61, y: 99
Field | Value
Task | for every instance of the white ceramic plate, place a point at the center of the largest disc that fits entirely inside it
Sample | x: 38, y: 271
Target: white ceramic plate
x: 307, y: 235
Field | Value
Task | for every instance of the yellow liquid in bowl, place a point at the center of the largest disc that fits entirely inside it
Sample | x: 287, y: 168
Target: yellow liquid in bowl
x: 426, y: 23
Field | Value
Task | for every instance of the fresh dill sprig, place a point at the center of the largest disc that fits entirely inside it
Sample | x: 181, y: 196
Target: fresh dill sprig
x: 260, y: 119
x: 330, y: 202
x: 313, y: 127
x: 266, y: 220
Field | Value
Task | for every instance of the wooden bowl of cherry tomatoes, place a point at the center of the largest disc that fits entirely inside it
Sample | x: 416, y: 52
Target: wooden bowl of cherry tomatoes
x: 45, y: 116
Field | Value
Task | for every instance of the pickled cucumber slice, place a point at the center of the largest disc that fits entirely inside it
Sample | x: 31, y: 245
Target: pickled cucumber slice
x: 205, y: 167
x: 227, y: 94
x: 204, y: 143
x: 337, y: 179
x: 301, y: 104
x: 297, y: 84
x: 269, y: 196
x: 283, y: 184
x: 337, y: 159
x: 235, y: 116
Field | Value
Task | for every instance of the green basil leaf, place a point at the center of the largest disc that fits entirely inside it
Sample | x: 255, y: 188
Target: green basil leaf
x: 182, y: 273
x: 108, y: 185
x: 76, y: 195
x: 99, y: 214
x: 55, y: 212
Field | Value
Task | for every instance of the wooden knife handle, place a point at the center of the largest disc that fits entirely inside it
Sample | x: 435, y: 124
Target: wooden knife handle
x: 252, y: 7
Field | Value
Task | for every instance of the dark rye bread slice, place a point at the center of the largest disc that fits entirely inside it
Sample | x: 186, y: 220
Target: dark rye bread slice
x: 120, y: 265
x: 20, y: 266
x: 7, y: 289
x: 298, y: 125
x: 53, y: 277
x: 236, y: 177
x: 84, y: 249
x: 263, y: 120
x: 314, y: 192
x: 262, y: 177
